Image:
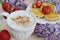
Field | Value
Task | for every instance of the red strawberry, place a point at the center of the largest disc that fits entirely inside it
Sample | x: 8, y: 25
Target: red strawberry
x: 46, y: 10
x: 6, y: 7
x: 16, y: 9
x: 5, y: 35
x: 39, y: 4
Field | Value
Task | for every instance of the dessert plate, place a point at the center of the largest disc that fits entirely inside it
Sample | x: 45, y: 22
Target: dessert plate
x: 42, y: 20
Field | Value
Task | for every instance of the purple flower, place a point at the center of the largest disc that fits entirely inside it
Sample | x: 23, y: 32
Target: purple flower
x: 45, y: 30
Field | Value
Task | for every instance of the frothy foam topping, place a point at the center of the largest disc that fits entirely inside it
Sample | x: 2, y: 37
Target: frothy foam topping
x: 24, y: 21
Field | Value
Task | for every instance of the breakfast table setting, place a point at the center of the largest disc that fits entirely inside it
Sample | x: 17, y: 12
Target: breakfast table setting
x: 42, y: 20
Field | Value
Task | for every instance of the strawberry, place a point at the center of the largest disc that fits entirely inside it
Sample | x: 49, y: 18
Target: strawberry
x: 38, y: 4
x: 6, y: 7
x: 5, y: 35
x: 16, y: 9
x: 46, y: 10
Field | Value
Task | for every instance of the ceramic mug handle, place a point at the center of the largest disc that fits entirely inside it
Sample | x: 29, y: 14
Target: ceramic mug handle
x: 4, y: 20
x: 4, y: 14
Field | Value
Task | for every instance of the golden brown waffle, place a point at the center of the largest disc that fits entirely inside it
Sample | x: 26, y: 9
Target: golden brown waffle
x: 52, y: 17
x: 34, y: 6
x: 37, y: 12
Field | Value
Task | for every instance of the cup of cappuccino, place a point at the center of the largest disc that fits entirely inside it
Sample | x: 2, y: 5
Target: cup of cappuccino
x: 21, y: 23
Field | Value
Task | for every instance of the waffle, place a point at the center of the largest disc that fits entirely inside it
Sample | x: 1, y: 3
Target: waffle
x: 37, y: 12
x: 34, y: 6
x: 52, y: 17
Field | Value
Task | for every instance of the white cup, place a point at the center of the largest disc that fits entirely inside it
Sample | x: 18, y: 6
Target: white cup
x: 18, y: 32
